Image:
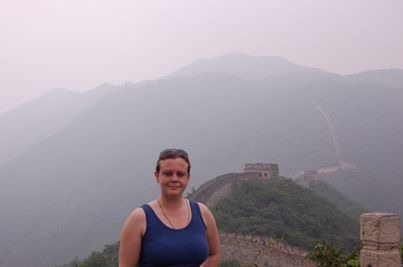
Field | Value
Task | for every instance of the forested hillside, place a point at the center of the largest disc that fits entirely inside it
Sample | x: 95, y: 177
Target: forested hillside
x: 344, y: 203
x: 281, y: 209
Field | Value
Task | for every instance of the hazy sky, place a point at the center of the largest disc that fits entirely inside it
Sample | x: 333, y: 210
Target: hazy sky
x: 79, y: 44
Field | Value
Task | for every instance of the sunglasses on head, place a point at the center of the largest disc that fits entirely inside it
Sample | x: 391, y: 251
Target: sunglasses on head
x: 168, y: 153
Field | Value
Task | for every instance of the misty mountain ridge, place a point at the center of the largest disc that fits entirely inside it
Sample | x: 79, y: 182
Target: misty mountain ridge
x: 27, y: 125
x: 273, y: 69
x: 384, y: 77
x: 280, y: 71
x: 98, y: 164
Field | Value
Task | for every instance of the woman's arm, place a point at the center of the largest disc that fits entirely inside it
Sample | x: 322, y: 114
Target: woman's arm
x: 130, y: 239
x: 212, y: 237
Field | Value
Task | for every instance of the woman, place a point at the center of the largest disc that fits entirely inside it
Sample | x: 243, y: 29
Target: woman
x: 170, y: 230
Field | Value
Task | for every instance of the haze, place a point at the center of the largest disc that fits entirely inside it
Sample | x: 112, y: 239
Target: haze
x: 79, y: 44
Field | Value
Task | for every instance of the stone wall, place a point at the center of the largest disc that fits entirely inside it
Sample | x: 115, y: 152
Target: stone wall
x: 246, y: 249
x: 218, y: 188
x: 380, y: 236
x: 258, y: 251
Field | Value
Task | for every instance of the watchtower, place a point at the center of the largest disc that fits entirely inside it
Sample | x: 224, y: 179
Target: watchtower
x: 265, y: 170
x: 307, y: 177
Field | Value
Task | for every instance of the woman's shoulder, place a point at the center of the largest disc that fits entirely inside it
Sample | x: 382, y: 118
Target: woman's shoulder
x: 136, y: 221
x: 137, y: 215
x: 204, y: 210
x: 201, y: 205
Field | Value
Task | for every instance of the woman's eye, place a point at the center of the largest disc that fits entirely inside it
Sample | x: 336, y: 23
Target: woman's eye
x: 180, y: 174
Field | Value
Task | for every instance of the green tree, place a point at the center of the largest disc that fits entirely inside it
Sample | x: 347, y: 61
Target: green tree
x: 327, y: 255
x: 108, y: 257
x: 401, y: 252
x: 230, y: 263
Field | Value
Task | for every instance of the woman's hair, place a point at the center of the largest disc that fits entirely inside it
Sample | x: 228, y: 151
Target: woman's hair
x: 172, y: 154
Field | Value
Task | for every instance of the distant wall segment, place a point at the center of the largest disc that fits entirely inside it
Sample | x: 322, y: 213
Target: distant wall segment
x: 218, y: 188
x: 211, y: 192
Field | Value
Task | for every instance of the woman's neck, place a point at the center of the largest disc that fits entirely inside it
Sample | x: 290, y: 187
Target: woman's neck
x: 172, y: 203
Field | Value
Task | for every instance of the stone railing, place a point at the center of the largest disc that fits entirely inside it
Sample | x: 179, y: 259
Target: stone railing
x: 259, y: 251
x: 380, y: 236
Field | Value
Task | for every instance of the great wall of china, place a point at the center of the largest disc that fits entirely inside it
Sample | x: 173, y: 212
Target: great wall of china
x: 246, y: 249
x: 380, y: 232
x: 342, y: 164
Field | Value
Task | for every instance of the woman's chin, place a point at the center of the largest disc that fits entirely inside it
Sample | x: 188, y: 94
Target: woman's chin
x: 174, y: 191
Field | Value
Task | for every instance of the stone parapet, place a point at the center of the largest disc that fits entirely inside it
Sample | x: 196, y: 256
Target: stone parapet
x: 259, y: 251
x: 380, y: 236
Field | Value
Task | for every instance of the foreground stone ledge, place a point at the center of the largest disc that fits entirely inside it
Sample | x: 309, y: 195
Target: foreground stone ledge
x: 375, y: 258
x: 380, y: 236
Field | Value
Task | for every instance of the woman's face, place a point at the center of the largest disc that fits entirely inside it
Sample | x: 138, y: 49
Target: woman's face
x: 173, y: 176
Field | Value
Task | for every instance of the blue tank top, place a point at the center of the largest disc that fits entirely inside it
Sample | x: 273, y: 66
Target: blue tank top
x: 164, y: 246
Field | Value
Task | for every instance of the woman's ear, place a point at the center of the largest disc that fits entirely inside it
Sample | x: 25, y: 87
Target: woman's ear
x: 156, y: 177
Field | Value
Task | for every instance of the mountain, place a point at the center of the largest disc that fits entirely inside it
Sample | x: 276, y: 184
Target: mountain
x: 369, y: 128
x: 104, y: 159
x: 70, y: 192
x: 23, y: 127
x: 273, y: 70
x: 342, y: 202
x: 385, y: 77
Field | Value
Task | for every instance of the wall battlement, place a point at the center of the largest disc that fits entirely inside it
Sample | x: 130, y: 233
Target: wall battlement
x: 307, y: 178
x: 268, y: 242
x: 260, y: 251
